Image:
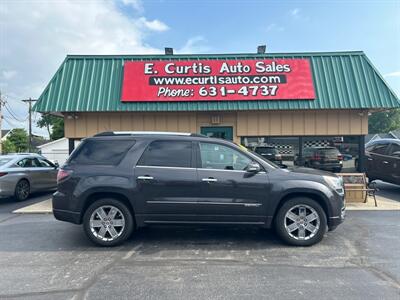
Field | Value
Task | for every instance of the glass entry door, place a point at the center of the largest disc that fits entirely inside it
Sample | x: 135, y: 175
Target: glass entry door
x: 221, y: 132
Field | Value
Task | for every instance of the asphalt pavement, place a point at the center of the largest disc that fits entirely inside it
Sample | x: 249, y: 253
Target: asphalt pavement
x: 41, y: 258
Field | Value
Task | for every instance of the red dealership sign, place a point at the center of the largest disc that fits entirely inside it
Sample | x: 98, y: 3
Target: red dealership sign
x: 219, y: 80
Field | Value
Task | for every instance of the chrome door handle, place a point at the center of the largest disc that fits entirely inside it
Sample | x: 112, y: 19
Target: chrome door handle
x: 385, y: 162
x: 210, y: 179
x: 145, y: 177
x: 369, y: 159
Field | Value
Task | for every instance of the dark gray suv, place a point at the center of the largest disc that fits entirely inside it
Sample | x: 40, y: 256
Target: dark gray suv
x: 116, y: 182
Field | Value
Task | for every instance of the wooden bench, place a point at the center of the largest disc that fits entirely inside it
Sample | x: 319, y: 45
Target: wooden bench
x: 357, y: 188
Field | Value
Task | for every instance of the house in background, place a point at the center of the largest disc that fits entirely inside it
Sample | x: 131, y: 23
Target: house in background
x: 4, y: 134
x: 394, y: 134
x: 56, y: 151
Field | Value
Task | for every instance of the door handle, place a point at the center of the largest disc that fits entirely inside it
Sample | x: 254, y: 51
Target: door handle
x: 145, y: 177
x: 369, y: 159
x: 385, y: 162
x: 209, y: 179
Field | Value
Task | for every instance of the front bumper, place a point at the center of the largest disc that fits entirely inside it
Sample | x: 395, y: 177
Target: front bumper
x: 335, y: 221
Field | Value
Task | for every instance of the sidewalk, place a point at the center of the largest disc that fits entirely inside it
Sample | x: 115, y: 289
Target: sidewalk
x: 43, y: 207
x: 383, y: 204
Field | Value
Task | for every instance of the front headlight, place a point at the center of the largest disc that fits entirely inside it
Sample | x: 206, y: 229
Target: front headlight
x: 335, y: 183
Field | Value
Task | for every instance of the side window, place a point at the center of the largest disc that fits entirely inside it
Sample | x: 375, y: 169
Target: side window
x: 395, y: 150
x: 167, y: 154
x: 45, y: 163
x: 22, y: 163
x: 380, y: 148
x: 27, y: 163
x: 215, y: 156
x: 369, y: 148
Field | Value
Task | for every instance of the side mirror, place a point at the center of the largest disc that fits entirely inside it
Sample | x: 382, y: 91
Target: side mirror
x: 253, y: 167
x: 56, y: 165
x: 282, y: 166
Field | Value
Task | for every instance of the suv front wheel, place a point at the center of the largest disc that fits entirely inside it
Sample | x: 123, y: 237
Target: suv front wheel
x: 301, y: 222
x: 108, y: 222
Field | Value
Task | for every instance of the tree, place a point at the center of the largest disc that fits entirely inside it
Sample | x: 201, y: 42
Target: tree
x: 7, y: 147
x: 58, y: 129
x: 53, y: 124
x: 19, y: 138
x: 385, y: 121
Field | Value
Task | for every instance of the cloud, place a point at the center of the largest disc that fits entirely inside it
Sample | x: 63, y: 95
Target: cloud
x: 135, y: 4
x: 154, y: 25
x: 295, y: 12
x: 275, y: 27
x: 37, y: 35
x: 8, y: 74
x: 196, y: 44
x: 392, y: 74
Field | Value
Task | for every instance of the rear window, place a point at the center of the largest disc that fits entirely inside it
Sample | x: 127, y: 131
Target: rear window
x: 101, y: 152
x: 329, y: 152
x: 3, y: 161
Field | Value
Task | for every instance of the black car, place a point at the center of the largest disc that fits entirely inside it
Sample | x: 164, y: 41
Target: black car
x: 322, y: 158
x: 270, y: 153
x: 114, y: 183
x: 383, y: 160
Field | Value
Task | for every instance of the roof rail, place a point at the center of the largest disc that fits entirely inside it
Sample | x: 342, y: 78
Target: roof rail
x: 130, y: 133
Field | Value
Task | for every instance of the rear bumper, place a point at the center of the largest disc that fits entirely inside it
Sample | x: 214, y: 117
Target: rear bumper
x: 67, y: 216
x: 62, y: 211
x: 7, y: 189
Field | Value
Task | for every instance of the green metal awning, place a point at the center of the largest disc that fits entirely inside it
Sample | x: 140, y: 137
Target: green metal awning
x: 92, y: 83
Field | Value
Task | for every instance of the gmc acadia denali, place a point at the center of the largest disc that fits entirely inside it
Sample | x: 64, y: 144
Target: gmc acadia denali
x: 116, y: 182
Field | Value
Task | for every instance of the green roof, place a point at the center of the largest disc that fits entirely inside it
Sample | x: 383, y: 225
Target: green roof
x: 92, y: 83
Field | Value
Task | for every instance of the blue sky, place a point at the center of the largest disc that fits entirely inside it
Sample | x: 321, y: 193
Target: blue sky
x: 30, y: 55
x: 286, y: 26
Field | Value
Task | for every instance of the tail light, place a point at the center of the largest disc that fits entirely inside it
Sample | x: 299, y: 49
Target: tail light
x: 63, y: 174
x: 3, y: 173
x: 316, y: 157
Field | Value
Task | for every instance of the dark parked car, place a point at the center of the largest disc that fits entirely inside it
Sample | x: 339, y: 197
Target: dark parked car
x: 383, y: 160
x: 116, y: 182
x: 322, y: 158
x: 270, y: 153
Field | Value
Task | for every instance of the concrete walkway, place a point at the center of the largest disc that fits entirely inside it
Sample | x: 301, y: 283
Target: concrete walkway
x: 45, y: 207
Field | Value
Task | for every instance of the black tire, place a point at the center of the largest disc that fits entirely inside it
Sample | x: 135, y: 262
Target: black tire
x: 279, y: 222
x: 22, y: 190
x: 125, y: 232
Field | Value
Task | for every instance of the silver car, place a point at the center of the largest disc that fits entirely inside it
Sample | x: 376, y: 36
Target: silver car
x: 22, y: 174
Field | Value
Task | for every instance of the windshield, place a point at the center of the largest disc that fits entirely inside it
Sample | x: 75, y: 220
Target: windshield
x: 266, y: 150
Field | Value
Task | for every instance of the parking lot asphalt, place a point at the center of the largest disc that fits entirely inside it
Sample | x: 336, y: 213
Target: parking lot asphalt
x: 41, y: 258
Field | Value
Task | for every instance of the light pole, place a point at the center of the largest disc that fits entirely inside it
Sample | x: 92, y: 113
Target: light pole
x: 29, y: 101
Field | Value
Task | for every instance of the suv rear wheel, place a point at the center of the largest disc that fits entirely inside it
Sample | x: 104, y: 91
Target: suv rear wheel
x: 108, y: 222
x: 301, y: 222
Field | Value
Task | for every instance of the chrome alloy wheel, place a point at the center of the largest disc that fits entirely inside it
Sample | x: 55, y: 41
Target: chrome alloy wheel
x: 302, y: 222
x: 107, y: 223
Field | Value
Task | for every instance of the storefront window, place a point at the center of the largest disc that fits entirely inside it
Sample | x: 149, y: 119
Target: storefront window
x: 331, y: 153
